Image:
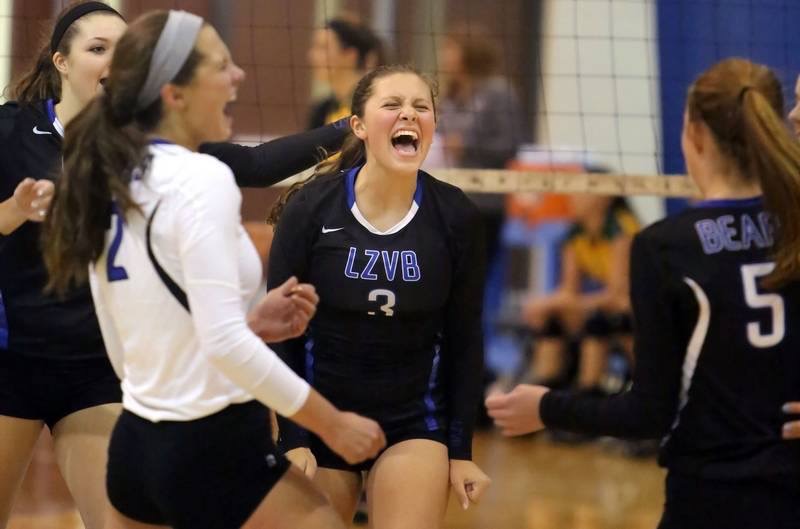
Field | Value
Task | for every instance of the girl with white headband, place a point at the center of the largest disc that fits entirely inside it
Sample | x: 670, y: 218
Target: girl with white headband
x: 156, y: 227
x: 54, y: 369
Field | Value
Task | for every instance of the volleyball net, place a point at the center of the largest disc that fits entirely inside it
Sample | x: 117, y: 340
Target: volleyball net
x: 586, y: 86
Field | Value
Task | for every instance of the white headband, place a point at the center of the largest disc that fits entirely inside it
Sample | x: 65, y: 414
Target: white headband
x: 174, y: 45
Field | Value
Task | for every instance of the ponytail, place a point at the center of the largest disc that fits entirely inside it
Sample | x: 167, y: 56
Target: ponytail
x: 41, y: 82
x: 105, y: 144
x: 773, y: 156
x: 100, y: 155
x: 742, y: 103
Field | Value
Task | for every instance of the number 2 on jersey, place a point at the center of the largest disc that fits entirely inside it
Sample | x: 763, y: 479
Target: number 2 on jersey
x: 391, y: 299
x: 755, y: 300
x: 116, y: 273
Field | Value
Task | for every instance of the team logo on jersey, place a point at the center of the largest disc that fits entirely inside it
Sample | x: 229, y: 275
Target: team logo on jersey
x: 732, y: 234
x: 403, y: 261
x: 37, y: 131
x: 330, y: 230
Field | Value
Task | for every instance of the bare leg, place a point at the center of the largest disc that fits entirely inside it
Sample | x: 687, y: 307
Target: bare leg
x: 342, y: 489
x: 548, y: 359
x: 294, y: 503
x: 81, y: 444
x: 593, y: 363
x: 17, y: 439
x: 626, y: 341
x: 408, y: 486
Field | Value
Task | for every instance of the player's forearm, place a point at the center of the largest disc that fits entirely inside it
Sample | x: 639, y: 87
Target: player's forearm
x: 11, y: 217
x: 465, y: 385
x: 629, y: 415
x: 271, y: 162
x: 317, y: 415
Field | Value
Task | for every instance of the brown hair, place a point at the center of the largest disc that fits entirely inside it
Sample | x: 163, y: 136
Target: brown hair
x: 742, y: 104
x: 103, y: 145
x: 353, y: 151
x: 42, y: 81
x: 351, y: 34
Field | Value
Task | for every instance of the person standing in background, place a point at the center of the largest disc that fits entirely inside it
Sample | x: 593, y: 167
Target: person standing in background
x: 340, y: 54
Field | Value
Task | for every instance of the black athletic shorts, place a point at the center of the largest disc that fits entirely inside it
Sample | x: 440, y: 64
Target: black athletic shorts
x: 209, y: 473
x: 754, y: 503
x: 398, y: 428
x: 49, y: 389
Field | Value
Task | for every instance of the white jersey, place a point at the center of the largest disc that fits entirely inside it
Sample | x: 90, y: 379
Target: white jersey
x: 175, y: 364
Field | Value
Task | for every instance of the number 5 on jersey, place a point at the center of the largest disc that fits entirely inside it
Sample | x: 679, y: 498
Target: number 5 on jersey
x: 755, y: 300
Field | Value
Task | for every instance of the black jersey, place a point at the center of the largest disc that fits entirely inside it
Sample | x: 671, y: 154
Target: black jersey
x: 716, y: 354
x: 398, y: 327
x: 35, y: 324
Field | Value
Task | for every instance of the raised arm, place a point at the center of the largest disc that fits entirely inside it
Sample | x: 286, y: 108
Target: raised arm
x: 648, y: 409
x: 271, y: 162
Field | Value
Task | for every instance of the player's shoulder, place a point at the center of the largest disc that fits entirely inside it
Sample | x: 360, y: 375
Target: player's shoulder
x: 452, y: 202
x: 317, y: 192
x: 674, y: 235
x: 189, y: 167
x: 660, y: 232
x: 11, y: 112
x: 191, y: 175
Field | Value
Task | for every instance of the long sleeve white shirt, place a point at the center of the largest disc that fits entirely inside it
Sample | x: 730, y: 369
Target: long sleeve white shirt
x: 175, y: 364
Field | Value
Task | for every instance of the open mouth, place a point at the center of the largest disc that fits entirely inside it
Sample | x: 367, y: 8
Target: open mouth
x: 406, y: 142
x: 228, y: 108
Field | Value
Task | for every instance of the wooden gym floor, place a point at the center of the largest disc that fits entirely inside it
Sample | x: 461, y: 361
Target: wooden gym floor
x: 537, y: 484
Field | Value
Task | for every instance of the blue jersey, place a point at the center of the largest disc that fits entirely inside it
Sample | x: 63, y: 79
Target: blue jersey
x: 36, y: 324
x: 398, y: 328
x: 716, y: 352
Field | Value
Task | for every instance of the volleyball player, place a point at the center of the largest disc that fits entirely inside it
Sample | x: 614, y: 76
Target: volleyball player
x: 791, y: 429
x: 53, y: 366
x: 397, y: 259
x: 715, y: 299
x: 160, y: 226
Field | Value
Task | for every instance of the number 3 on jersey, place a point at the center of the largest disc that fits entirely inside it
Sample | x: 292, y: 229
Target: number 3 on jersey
x: 388, y: 295
x: 750, y: 275
x: 116, y: 273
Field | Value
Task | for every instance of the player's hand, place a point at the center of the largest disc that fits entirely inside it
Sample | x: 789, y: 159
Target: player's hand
x: 468, y: 481
x: 303, y: 459
x: 791, y: 429
x: 284, y: 312
x: 517, y: 412
x: 355, y: 438
x: 32, y: 198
